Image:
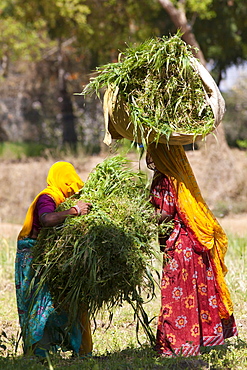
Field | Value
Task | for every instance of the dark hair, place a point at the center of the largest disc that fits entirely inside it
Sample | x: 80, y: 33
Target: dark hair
x: 150, y: 162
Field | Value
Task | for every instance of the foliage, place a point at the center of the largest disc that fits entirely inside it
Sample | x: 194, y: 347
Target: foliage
x: 105, y: 26
x: 202, y: 8
x: 242, y: 144
x: 115, y: 23
x: 91, y: 24
x: 231, y: 356
x: 59, y: 17
x: 20, y: 42
x: 193, y: 6
x: 222, y: 37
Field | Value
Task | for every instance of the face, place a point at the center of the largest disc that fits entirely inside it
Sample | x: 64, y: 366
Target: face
x: 72, y: 189
x: 63, y: 176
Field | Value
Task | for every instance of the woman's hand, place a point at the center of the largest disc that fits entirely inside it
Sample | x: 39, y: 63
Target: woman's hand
x: 83, y: 207
x: 56, y: 218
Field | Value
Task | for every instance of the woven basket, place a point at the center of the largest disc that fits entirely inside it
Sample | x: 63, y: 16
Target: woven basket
x: 118, y: 123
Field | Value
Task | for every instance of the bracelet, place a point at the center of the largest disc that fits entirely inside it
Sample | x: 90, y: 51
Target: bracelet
x: 78, y: 210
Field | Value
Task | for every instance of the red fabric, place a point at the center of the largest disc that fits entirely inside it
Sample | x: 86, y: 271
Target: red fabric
x: 189, y: 315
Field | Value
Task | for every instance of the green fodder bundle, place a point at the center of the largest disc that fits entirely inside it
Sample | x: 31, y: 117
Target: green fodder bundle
x: 105, y: 257
x: 159, y: 87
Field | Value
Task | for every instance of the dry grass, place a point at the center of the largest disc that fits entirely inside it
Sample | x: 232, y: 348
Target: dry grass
x: 221, y: 174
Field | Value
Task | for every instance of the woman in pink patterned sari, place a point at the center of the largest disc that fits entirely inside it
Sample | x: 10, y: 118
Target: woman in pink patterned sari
x: 190, y: 299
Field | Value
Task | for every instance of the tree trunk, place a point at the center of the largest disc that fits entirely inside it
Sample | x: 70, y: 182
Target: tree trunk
x: 5, y: 65
x: 179, y: 19
x: 66, y: 106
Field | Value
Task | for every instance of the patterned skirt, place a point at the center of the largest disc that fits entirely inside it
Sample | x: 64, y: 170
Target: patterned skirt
x: 189, y: 315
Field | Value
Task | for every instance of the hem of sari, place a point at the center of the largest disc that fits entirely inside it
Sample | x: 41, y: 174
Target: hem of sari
x: 189, y: 349
x: 185, y: 350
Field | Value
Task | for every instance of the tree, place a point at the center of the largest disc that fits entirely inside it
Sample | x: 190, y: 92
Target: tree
x: 20, y: 42
x: 217, y: 27
x: 117, y: 23
x: 223, y: 37
x: 75, y: 36
x: 61, y: 20
x: 178, y: 16
x: 93, y: 31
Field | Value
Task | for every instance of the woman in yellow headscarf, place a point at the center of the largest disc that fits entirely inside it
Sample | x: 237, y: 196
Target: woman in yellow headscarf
x: 42, y: 328
x: 196, y: 308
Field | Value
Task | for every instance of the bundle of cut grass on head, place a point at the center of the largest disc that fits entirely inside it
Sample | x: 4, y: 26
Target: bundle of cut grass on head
x: 155, y: 92
x: 105, y: 257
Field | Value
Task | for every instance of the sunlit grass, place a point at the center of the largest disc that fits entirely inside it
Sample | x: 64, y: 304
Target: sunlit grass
x: 118, y: 342
x: 7, y: 289
x: 13, y: 151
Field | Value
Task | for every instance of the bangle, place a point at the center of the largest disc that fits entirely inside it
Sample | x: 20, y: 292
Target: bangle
x: 78, y: 210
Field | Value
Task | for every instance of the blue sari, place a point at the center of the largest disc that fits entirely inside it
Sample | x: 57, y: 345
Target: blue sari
x: 42, y: 328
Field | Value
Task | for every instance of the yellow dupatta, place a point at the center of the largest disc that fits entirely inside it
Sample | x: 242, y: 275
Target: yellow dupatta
x: 62, y: 182
x: 195, y: 213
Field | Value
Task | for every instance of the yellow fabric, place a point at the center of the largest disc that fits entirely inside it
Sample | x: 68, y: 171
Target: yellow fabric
x: 62, y: 182
x: 172, y: 161
x: 86, y: 343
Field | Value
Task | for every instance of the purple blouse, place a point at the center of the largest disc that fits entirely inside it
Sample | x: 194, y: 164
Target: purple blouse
x: 45, y: 204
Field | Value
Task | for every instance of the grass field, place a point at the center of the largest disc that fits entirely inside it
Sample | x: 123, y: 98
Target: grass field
x: 116, y: 347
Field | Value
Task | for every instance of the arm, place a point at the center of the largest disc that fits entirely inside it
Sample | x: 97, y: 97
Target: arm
x: 56, y: 218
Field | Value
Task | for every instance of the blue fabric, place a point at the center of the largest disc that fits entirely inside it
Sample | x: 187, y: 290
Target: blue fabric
x: 39, y: 321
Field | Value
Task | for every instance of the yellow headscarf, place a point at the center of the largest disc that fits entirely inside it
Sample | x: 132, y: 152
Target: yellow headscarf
x: 62, y: 182
x: 195, y: 213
